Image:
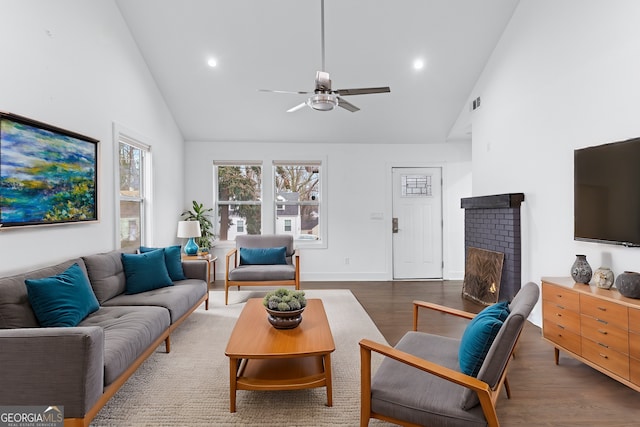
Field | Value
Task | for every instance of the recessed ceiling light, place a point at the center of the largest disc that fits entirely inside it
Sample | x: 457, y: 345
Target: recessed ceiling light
x: 418, y: 64
x: 212, y: 62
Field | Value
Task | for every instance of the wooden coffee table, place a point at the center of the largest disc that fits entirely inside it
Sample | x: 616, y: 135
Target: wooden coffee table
x: 262, y: 357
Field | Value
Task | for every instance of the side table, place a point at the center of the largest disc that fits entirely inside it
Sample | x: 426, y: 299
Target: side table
x: 210, y: 259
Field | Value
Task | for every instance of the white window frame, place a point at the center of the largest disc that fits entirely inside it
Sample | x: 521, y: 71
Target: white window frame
x: 216, y: 202
x: 321, y: 164
x: 268, y: 213
x: 126, y: 136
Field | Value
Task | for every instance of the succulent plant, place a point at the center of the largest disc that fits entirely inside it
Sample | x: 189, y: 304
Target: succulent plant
x: 284, y: 300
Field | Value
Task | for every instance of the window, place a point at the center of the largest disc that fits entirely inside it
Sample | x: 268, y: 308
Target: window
x: 293, y: 200
x: 297, y: 204
x: 134, y: 170
x: 238, y: 198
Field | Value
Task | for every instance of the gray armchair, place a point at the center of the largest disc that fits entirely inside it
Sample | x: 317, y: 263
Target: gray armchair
x: 419, y: 383
x: 239, y: 274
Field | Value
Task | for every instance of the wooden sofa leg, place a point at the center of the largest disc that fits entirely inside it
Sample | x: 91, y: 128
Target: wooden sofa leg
x: 167, y: 344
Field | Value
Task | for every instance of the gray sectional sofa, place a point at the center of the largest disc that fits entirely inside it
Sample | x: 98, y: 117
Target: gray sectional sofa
x: 81, y: 367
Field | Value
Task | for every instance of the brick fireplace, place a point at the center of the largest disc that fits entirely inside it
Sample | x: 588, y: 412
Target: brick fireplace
x: 493, y: 223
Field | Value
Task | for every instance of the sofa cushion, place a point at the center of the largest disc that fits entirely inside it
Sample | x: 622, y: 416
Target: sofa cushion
x: 145, y: 272
x: 406, y: 393
x: 477, y: 339
x: 15, y: 309
x: 172, y: 259
x: 177, y: 299
x: 263, y: 256
x: 128, y: 332
x: 62, y: 300
x: 106, y: 274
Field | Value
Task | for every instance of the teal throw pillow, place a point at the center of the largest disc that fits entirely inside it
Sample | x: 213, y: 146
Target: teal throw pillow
x: 62, y: 300
x: 145, y: 272
x: 172, y: 259
x: 263, y: 256
x: 478, y: 337
x: 498, y: 311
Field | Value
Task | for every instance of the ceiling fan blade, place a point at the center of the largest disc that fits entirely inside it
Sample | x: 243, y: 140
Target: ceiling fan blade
x: 297, y: 107
x: 347, y: 105
x: 362, y: 91
x: 283, y: 91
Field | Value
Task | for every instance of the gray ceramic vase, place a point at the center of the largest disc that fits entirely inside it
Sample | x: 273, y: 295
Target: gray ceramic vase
x: 628, y: 284
x: 581, y: 270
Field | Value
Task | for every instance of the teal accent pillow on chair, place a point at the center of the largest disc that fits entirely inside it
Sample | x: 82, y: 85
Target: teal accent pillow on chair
x: 62, y: 300
x: 263, y: 256
x: 172, y: 259
x: 479, y: 335
x: 145, y: 272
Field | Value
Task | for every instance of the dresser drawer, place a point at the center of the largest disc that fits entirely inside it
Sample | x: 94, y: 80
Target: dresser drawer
x: 563, y: 297
x: 605, y: 334
x: 634, y: 320
x: 558, y: 314
x: 634, y: 371
x: 634, y: 345
x: 561, y: 336
x: 607, y: 358
x: 606, y: 311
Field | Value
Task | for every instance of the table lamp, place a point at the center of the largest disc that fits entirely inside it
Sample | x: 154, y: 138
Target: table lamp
x: 189, y: 229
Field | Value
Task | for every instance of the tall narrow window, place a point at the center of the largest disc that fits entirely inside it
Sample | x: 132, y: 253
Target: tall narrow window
x: 297, y: 189
x: 134, y: 165
x: 238, y: 199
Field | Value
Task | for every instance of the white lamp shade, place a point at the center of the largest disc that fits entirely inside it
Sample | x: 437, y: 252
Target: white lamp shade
x: 188, y: 229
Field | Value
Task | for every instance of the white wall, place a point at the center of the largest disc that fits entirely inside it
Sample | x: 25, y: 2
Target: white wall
x: 359, y: 183
x: 73, y: 64
x: 565, y: 75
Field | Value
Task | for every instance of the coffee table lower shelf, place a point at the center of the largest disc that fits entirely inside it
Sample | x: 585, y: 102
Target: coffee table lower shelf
x: 280, y: 374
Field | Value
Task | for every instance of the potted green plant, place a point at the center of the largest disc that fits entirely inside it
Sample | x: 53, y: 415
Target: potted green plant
x: 285, y: 308
x: 202, y: 215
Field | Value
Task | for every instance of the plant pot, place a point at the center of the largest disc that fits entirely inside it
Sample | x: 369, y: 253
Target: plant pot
x: 628, y: 284
x: 284, y: 319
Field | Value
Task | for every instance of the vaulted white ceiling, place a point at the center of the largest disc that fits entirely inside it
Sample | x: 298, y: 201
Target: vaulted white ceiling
x: 276, y: 44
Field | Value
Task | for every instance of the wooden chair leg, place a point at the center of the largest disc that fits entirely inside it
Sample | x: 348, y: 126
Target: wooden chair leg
x: 167, y: 344
x: 507, y: 388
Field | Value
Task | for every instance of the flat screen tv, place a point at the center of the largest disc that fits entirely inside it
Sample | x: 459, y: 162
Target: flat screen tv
x: 607, y: 193
x: 48, y: 175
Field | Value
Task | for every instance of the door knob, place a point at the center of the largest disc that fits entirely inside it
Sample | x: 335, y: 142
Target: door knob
x: 394, y: 225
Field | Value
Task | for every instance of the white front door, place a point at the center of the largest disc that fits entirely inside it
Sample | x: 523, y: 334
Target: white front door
x: 417, y: 223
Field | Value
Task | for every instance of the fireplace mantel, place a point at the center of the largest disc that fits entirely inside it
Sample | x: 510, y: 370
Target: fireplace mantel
x: 511, y: 200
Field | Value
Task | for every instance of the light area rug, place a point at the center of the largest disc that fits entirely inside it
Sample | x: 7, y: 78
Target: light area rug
x: 190, y: 385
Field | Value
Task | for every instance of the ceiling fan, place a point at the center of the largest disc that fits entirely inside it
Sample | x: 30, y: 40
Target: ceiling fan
x: 324, y: 98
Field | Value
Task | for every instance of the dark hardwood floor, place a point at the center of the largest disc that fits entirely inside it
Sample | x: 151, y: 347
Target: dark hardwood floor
x: 542, y: 394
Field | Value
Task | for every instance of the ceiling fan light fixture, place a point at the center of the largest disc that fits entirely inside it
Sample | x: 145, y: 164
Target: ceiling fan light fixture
x: 323, y: 101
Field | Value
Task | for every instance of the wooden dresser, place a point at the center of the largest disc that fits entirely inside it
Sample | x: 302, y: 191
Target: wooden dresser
x: 597, y: 326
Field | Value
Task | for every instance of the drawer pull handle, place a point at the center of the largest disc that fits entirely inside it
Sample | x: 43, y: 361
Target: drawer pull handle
x: 602, y: 321
x: 603, y: 332
x: 560, y: 306
x: 602, y: 308
x: 603, y: 355
x: 603, y: 345
x: 559, y: 314
x: 560, y: 326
